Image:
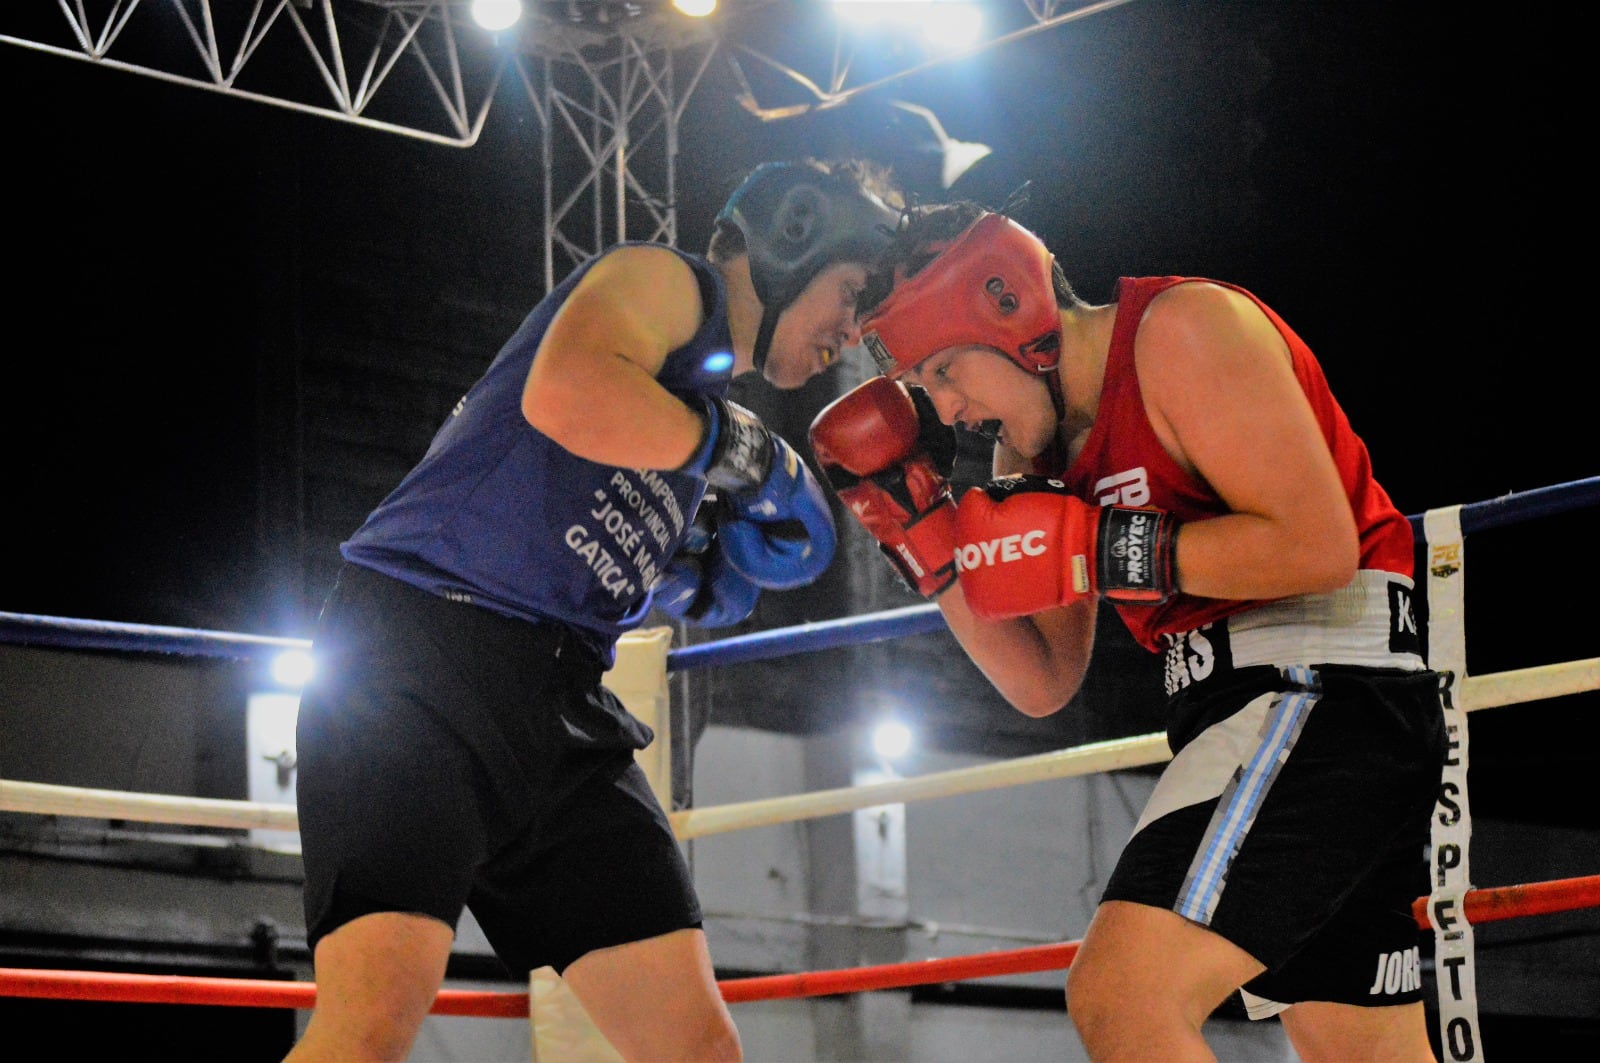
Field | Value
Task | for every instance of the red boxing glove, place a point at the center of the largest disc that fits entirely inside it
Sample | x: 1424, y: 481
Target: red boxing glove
x: 879, y: 453
x: 1025, y: 544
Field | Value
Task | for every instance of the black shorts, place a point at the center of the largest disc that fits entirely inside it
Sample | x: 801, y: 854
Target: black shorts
x: 449, y: 756
x: 1296, y: 826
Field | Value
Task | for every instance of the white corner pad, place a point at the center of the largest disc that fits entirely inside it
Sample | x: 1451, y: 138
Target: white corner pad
x: 562, y: 1029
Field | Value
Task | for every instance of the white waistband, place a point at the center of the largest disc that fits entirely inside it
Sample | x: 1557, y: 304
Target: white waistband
x: 1357, y: 624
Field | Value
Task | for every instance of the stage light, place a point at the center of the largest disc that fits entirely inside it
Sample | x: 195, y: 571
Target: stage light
x: 695, y: 8
x: 293, y: 668
x: 944, y: 24
x: 954, y: 26
x: 891, y: 740
x: 495, y: 15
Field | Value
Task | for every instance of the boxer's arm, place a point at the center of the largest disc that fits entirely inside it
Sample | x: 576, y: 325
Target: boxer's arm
x: 1038, y: 662
x: 592, y: 385
x: 1223, y: 398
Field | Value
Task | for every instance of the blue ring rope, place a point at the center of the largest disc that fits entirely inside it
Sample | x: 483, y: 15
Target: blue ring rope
x: 32, y: 630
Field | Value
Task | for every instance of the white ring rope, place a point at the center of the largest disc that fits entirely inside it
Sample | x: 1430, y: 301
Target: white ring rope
x: 1477, y: 692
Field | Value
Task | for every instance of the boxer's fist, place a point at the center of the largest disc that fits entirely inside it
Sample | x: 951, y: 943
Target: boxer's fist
x: 1024, y: 544
x: 774, y: 522
x: 698, y: 585
x: 885, y: 456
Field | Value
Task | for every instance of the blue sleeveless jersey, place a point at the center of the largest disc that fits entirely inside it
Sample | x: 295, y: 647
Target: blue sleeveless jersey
x: 499, y: 515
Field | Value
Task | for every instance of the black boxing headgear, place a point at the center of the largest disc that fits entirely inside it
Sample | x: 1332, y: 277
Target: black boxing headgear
x: 797, y: 220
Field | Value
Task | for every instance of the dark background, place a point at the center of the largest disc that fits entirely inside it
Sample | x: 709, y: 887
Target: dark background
x: 231, y: 328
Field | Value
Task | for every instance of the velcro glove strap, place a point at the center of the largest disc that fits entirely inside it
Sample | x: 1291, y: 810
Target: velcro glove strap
x: 1135, y: 555
x: 736, y: 452
x: 909, y: 509
x: 923, y: 556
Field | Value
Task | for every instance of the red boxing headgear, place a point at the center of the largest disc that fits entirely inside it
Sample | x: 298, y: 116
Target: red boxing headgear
x: 992, y: 286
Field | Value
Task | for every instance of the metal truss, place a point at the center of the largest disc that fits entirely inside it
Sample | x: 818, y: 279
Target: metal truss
x: 609, y: 79
x: 609, y: 107
x: 339, y: 59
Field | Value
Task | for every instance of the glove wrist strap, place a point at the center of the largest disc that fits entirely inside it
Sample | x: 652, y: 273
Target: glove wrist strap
x: 736, y: 453
x: 926, y: 557
x: 1135, y: 555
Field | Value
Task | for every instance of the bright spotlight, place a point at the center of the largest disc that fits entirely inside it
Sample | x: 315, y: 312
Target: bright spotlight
x: 293, y: 668
x: 695, y: 8
x: 946, y: 24
x: 891, y: 740
x: 954, y: 26
x: 494, y: 15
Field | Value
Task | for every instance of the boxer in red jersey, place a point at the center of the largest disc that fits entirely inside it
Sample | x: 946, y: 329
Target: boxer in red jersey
x: 1176, y: 453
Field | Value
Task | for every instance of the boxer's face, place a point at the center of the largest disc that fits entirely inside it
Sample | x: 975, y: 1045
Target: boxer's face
x: 817, y: 326
x: 972, y: 384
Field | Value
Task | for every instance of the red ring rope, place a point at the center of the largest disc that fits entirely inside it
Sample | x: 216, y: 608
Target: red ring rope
x: 1482, y: 906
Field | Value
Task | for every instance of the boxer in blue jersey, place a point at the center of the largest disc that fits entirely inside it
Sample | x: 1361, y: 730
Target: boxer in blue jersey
x: 458, y: 749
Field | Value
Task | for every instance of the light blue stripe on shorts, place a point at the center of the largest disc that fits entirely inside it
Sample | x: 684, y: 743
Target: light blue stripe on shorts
x: 1239, y: 803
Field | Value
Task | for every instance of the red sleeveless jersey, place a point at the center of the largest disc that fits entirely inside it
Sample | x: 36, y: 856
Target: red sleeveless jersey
x: 1124, y: 463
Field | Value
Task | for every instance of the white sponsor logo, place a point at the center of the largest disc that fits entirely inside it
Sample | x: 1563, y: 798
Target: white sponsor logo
x: 1133, y: 547
x: 1130, y: 488
x: 987, y: 552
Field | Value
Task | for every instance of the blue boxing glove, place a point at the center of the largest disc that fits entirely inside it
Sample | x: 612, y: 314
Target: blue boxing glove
x: 698, y: 585
x: 775, y: 525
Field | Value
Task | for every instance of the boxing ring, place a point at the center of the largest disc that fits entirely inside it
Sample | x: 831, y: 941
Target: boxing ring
x: 646, y: 659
